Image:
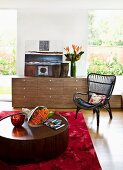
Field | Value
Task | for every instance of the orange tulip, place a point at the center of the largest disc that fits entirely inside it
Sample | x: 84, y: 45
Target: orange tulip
x: 77, y: 49
x: 75, y: 54
x: 73, y: 46
x: 67, y: 49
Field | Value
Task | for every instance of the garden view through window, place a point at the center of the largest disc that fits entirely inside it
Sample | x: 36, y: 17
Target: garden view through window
x: 8, y: 38
x: 105, y: 42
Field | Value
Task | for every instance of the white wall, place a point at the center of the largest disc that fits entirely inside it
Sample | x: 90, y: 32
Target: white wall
x: 36, y: 24
x: 64, y: 20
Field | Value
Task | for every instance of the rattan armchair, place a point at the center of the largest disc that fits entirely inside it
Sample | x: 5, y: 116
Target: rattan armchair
x: 100, y: 85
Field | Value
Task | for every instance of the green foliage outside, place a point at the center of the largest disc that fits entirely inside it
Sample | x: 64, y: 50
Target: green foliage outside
x: 102, y: 67
x: 105, y: 28
x: 8, y: 37
x: 8, y: 67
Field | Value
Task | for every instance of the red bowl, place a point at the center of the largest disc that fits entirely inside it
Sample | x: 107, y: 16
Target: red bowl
x: 18, y: 119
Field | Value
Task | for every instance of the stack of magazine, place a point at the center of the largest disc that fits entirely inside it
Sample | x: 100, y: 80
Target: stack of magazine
x: 54, y: 123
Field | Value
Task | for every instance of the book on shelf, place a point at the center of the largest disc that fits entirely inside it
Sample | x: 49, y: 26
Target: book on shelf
x: 54, y: 123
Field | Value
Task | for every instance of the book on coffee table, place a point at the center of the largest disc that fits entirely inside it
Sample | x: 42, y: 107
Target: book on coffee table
x: 54, y: 123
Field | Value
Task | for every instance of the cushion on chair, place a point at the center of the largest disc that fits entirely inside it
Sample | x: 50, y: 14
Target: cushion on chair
x: 95, y: 98
x: 83, y: 104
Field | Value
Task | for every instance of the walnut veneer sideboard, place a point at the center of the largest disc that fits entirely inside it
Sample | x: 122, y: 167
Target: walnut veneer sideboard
x: 46, y: 91
x: 50, y: 92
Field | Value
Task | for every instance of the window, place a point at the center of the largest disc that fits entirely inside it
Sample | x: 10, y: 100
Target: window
x: 8, y: 37
x: 105, y: 41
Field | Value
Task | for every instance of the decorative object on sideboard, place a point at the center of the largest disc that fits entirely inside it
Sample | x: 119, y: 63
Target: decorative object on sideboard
x: 73, y: 68
x: 44, y: 64
x: 64, y: 69
x: 43, y: 58
x: 56, y: 70
x: 42, y: 70
x: 73, y: 56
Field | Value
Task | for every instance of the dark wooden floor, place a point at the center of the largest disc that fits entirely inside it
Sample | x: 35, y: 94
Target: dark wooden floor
x: 108, y: 140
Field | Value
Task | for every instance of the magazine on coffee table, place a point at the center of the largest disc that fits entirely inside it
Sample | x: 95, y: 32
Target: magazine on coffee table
x: 54, y: 123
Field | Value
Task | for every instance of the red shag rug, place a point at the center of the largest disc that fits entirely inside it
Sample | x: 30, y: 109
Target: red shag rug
x: 79, y: 155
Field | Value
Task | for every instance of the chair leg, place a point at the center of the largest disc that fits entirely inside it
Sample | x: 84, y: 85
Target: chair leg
x: 108, y: 108
x: 110, y: 112
x: 94, y: 111
x: 77, y: 110
x: 98, y: 116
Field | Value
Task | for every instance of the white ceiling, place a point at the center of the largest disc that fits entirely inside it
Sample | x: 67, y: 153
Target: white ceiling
x: 60, y: 4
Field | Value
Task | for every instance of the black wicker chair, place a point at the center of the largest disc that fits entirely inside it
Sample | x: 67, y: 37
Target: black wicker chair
x: 100, y: 85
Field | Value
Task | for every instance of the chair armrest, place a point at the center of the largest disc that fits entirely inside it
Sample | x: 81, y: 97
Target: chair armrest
x: 80, y: 93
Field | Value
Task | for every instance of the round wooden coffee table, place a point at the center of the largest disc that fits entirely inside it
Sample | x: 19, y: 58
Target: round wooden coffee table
x: 31, y: 144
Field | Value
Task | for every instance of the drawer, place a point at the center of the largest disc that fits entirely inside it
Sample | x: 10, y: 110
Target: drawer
x: 71, y: 90
x: 30, y: 102
x: 31, y: 83
x: 24, y: 102
x: 47, y: 90
x: 52, y: 101
x: 50, y: 82
x: 18, y: 90
x: 24, y: 91
x: 18, y: 82
x: 24, y: 82
x: 74, y: 82
x: 68, y: 101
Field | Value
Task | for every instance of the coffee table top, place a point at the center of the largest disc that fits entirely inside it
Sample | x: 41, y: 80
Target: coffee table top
x: 25, y: 132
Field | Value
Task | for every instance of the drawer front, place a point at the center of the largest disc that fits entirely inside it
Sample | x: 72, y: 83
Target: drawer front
x: 50, y: 82
x: 43, y: 100
x: 71, y: 90
x: 30, y: 102
x: 72, y: 82
x: 56, y: 101
x: 48, y: 90
x: 24, y: 82
x: 68, y: 101
x: 18, y: 82
x: 22, y: 91
x: 18, y: 101
x: 51, y: 101
x: 18, y: 91
x: 31, y: 83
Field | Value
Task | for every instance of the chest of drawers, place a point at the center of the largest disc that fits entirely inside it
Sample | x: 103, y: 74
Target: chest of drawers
x: 49, y: 92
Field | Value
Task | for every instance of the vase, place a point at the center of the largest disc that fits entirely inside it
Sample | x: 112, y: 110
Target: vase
x: 73, y: 68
